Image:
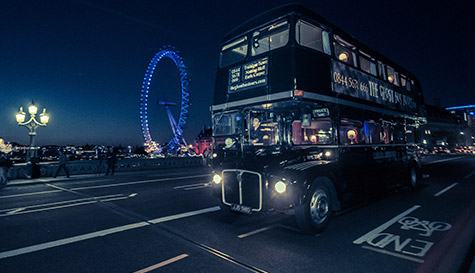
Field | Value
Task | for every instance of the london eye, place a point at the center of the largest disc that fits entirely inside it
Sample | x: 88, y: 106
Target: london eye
x: 177, y: 127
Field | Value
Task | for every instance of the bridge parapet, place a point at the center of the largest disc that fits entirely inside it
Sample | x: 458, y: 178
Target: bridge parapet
x: 48, y: 169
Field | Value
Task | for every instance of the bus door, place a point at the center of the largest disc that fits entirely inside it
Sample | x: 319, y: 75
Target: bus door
x: 355, y: 161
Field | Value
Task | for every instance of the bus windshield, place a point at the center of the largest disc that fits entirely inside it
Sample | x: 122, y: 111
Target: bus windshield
x: 264, y: 129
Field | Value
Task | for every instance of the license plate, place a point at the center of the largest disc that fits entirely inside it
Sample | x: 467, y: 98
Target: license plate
x: 241, y: 208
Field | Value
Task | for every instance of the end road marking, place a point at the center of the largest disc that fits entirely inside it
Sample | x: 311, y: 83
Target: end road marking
x: 393, y: 254
x: 384, y: 226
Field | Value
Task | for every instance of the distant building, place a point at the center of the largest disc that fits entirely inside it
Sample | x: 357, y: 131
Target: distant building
x: 443, y: 129
x: 204, y: 141
x: 466, y: 114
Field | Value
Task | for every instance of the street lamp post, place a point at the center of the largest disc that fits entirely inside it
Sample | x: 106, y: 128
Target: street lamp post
x: 32, y: 124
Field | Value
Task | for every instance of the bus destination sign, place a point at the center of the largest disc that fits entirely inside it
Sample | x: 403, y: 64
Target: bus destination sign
x: 351, y: 82
x: 247, y: 76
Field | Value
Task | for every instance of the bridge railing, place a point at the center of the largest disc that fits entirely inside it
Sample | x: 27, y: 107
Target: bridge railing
x: 48, y: 169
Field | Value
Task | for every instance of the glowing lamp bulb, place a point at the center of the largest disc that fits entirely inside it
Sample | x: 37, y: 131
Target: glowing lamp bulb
x: 44, y: 117
x: 217, y: 179
x: 20, y: 116
x: 280, y: 187
x: 343, y: 57
x: 32, y: 109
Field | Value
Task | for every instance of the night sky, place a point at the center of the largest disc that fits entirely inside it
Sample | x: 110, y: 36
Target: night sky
x: 84, y: 61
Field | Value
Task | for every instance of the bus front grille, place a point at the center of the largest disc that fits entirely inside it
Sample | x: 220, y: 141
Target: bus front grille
x: 242, y: 187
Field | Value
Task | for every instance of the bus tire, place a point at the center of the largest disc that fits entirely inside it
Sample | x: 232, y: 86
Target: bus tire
x: 413, y: 177
x: 314, y: 215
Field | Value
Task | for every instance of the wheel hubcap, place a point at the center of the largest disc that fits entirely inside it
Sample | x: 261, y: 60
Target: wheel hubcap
x: 319, y: 206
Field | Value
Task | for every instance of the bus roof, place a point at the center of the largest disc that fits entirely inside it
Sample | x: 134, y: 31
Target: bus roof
x: 288, y: 9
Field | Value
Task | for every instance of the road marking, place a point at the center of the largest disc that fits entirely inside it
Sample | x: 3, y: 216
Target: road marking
x: 27, y: 194
x: 442, y: 160
x: 469, y: 175
x: 55, y: 203
x: 140, y: 182
x: 183, y: 215
x: 188, y: 186
x: 100, y: 233
x: 384, y: 226
x: 446, y: 189
x: 393, y: 254
x: 162, y: 264
x: 196, y: 188
x: 256, y: 231
x: 116, y: 198
x: 15, y: 211
x: 51, y: 208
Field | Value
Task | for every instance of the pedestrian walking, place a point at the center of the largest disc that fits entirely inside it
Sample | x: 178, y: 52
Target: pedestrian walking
x: 5, y: 162
x: 63, y: 160
x: 3, y: 169
x: 111, y: 160
x: 100, y: 157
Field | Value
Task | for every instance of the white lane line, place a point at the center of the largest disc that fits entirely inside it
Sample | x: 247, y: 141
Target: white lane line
x: 63, y: 202
x: 162, y: 264
x: 140, y: 182
x: 393, y: 254
x: 183, y: 215
x: 196, y: 188
x: 100, y: 233
x: 70, y: 240
x: 51, y: 208
x: 442, y: 160
x: 256, y: 231
x: 115, y: 199
x: 27, y: 194
x: 15, y: 211
x: 93, y: 201
x: 446, y: 189
x: 469, y: 175
x: 384, y: 226
x: 188, y: 186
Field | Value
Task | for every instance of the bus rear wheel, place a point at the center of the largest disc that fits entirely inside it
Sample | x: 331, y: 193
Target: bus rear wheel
x: 413, y: 178
x: 315, y: 214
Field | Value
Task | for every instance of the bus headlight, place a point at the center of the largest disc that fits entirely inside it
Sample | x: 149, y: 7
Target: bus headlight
x: 217, y: 178
x: 280, y: 187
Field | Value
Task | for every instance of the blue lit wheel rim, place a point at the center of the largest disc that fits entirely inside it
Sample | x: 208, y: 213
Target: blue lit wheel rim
x: 167, y: 52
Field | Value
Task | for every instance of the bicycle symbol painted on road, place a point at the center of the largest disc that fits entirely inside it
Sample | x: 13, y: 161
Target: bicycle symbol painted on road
x: 426, y: 227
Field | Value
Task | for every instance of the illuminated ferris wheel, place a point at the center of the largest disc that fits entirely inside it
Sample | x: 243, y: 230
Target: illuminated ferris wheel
x: 177, y: 127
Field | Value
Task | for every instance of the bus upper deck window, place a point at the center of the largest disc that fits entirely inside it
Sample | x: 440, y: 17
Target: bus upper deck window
x: 405, y: 82
x: 367, y: 63
x: 392, y: 76
x: 312, y: 36
x: 344, y: 51
x: 270, y: 38
x: 382, y: 70
x: 233, y: 52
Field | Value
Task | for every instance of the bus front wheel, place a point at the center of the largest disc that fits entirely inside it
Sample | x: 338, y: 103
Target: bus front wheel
x: 316, y: 212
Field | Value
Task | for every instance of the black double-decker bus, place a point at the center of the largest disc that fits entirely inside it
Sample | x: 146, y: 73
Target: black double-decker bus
x: 308, y: 119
